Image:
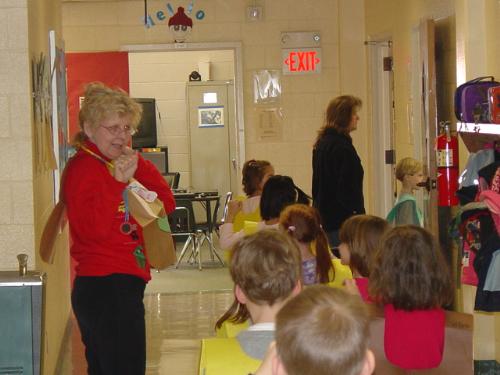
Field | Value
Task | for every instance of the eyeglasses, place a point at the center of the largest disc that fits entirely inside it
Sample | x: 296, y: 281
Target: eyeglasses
x: 117, y: 129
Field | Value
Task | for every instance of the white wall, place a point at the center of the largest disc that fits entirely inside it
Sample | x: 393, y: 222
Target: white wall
x: 16, y: 170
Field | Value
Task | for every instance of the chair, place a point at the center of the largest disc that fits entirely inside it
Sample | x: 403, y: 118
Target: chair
x: 182, y: 225
x: 218, y: 223
x: 201, y: 232
x: 172, y: 179
x: 457, y: 355
x: 206, y: 231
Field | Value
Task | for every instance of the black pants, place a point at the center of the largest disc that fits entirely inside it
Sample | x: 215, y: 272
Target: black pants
x: 334, y: 242
x: 110, y: 314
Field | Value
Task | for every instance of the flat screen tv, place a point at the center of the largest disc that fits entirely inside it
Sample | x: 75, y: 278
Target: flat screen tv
x: 146, y: 134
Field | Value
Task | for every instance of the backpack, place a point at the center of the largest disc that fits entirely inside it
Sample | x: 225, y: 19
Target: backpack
x: 471, y: 100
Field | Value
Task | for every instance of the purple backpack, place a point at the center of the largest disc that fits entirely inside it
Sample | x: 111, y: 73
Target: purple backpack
x: 471, y: 100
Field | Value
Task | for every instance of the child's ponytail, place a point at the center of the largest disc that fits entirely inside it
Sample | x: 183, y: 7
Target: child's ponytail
x: 303, y: 223
x: 324, y: 268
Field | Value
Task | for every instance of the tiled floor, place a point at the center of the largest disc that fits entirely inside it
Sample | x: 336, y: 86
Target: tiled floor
x: 174, y: 325
x: 182, y: 306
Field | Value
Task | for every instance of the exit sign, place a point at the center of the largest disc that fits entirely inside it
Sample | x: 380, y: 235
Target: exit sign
x: 301, y: 60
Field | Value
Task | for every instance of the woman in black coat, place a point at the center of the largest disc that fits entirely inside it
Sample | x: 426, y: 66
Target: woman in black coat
x: 337, y: 185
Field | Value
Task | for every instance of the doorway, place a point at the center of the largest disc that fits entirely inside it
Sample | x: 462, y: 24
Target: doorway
x: 210, y: 107
x: 162, y: 71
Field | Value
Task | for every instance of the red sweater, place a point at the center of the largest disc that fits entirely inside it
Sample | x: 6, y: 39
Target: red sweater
x: 95, y: 211
x: 414, y: 340
x: 362, y: 284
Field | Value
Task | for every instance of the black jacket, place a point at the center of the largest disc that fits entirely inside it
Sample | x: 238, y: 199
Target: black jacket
x: 337, y: 185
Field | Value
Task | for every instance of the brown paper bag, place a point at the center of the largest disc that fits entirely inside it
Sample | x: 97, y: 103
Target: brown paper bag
x: 142, y: 211
x: 159, y: 243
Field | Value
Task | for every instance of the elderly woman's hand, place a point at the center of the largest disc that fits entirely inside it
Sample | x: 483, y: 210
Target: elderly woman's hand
x: 125, y: 165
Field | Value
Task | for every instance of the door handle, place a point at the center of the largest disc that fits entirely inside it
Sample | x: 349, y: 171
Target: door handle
x: 429, y: 184
x: 233, y: 161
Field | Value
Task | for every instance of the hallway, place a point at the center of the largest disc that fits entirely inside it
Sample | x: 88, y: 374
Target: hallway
x: 175, y: 323
x: 344, y: 32
x: 182, y: 306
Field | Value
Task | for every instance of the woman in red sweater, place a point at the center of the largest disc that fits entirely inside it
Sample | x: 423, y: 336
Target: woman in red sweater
x: 107, y: 243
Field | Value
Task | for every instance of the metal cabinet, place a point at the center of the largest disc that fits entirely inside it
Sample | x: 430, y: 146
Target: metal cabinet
x: 21, y: 299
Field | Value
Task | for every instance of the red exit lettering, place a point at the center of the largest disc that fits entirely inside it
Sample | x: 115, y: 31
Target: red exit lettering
x: 302, y: 61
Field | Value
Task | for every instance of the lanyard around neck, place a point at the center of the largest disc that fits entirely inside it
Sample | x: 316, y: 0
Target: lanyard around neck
x: 88, y: 151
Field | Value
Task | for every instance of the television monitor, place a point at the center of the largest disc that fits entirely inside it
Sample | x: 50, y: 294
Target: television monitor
x: 146, y: 134
x: 159, y: 158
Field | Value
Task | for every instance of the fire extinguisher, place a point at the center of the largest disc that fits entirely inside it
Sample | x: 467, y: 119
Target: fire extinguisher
x: 447, y: 166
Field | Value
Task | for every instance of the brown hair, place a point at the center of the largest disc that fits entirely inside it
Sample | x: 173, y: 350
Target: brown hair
x: 339, y: 114
x: 362, y: 234
x: 101, y: 102
x: 304, y: 224
x: 253, y: 172
x: 322, y: 331
x: 266, y: 266
x: 408, y: 166
x: 409, y: 270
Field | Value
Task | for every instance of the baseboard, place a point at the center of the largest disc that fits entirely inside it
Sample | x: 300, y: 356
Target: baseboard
x: 486, y: 367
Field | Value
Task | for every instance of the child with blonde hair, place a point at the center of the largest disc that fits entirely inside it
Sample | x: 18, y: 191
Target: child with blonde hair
x: 359, y: 237
x: 303, y: 224
x: 405, y: 211
x: 265, y: 268
x: 322, y: 331
x: 411, y: 279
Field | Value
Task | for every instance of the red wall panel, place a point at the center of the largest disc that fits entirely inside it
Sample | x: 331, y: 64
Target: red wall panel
x: 110, y: 68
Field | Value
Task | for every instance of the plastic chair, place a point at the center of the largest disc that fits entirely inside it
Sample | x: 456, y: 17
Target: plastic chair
x: 172, y: 179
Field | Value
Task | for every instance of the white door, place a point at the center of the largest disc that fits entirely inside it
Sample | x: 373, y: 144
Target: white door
x: 382, y: 160
x: 211, y: 119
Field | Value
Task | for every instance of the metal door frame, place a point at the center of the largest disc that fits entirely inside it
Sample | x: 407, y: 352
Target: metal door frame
x: 382, y: 124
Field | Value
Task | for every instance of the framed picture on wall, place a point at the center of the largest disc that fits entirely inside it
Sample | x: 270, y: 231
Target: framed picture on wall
x: 210, y: 117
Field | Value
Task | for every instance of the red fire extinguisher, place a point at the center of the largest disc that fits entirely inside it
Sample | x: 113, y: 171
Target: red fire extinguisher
x: 447, y: 166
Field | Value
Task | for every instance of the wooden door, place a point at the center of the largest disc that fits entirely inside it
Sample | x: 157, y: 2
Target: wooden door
x: 429, y: 120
